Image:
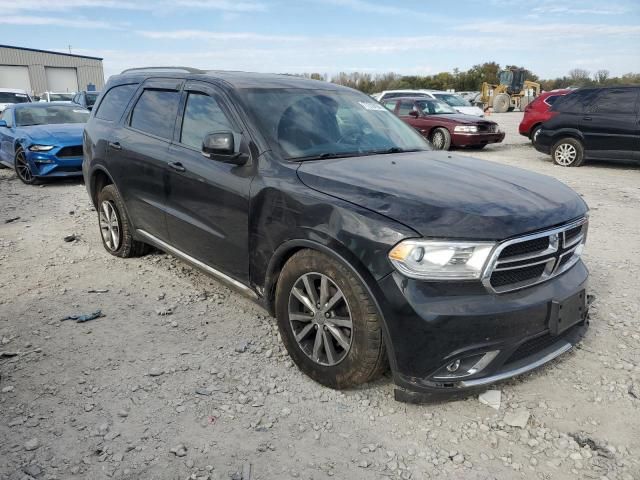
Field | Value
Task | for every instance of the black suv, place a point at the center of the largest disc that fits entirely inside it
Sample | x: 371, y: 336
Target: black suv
x: 592, y: 123
x: 371, y: 249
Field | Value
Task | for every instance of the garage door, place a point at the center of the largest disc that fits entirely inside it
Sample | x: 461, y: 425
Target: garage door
x: 61, y: 79
x: 15, y: 77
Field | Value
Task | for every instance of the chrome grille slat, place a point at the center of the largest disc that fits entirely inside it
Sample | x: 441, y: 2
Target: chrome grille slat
x: 558, y: 257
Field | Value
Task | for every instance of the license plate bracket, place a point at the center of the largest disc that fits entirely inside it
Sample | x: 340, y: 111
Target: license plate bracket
x: 566, y: 313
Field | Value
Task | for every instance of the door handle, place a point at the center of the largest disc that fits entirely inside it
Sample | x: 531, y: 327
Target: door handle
x: 587, y: 118
x: 115, y: 145
x: 177, y: 166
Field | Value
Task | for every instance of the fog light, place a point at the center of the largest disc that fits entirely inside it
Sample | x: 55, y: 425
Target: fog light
x: 453, y: 366
x: 466, y: 366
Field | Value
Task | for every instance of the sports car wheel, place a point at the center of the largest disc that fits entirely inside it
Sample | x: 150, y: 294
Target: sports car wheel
x: 23, y: 170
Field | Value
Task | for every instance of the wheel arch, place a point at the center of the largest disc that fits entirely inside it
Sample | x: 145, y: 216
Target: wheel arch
x: 567, y: 133
x: 339, y: 253
x: 99, y: 179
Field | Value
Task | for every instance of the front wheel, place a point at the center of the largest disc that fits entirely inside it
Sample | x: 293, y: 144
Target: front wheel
x: 441, y: 139
x: 328, y: 322
x: 22, y: 167
x: 568, y: 152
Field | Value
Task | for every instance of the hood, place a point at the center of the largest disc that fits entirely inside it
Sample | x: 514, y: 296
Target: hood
x: 447, y: 196
x: 459, y: 118
x: 55, y: 134
x: 470, y: 111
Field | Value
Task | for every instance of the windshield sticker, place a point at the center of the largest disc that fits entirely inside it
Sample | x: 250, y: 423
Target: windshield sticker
x: 373, y: 106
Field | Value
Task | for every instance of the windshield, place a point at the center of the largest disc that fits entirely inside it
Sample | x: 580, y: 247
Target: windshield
x: 324, y: 123
x: 434, y: 107
x: 91, y: 99
x: 47, y: 115
x: 8, y: 97
x: 61, y: 97
x: 451, y: 99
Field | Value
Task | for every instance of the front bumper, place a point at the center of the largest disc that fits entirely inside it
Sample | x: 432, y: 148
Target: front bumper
x: 471, y: 139
x: 47, y: 164
x: 432, y: 325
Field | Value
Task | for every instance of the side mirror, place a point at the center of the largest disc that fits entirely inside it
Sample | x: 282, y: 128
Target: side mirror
x: 3, y: 123
x: 221, y: 146
x: 414, y: 114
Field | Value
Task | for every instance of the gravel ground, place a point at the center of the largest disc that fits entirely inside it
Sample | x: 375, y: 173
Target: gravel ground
x: 183, y: 378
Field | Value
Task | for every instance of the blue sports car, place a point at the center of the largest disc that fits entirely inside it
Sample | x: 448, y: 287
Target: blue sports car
x: 42, y: 139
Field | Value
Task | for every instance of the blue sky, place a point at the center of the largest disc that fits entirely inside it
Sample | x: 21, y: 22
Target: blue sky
x: 328, y: 36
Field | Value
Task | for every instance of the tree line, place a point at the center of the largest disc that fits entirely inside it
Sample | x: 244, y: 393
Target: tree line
x: 471, y: 79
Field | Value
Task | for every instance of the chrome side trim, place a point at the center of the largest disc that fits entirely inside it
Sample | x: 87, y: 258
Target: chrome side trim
x: 566, y: 346
x: 197, y: 263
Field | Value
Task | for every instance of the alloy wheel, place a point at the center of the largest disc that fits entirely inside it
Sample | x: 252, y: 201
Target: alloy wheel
x: 565, y: 154
x: 109, y: 225
x: 22, y: 168
x: 438, y: 140
x: 320, y: 319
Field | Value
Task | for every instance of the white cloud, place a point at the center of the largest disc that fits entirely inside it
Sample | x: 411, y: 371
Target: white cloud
x: 143, y: 5
x: 217, y: 36
x: 58, y: 22
x: 550, y: 30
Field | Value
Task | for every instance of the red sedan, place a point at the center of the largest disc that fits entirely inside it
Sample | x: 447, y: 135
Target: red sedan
x: 537, y: 112
x: 444, y: 126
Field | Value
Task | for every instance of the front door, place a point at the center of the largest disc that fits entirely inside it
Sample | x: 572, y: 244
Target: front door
x: 208, y: 200
x: 610, y: 124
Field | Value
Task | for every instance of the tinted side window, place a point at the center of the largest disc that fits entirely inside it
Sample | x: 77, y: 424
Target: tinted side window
x: 156, y: 112
x: 550, y: 100
x: 617, y: 100
x: 575, y: 102
x: 405, y: 108
x: 114, y: 102
x: 202, y: 115
x: 6, y: 116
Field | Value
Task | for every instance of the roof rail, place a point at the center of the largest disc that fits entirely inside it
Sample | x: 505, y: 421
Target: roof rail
x: 163, y: 69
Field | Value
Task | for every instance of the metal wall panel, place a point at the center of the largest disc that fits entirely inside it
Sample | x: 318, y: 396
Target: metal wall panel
x: 89, y: 70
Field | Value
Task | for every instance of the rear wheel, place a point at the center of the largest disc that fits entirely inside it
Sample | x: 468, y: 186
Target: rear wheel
x: 568, y: 152
x: 23, y: 170
x: 328, y: 322
x: 501, y: 103
x: 441, y: 139
x: 534, y: 132
x: 115, y: 228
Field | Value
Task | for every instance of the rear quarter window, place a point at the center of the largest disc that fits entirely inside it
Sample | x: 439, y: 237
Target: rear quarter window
x: 114, y: 102
x: 575, y: 102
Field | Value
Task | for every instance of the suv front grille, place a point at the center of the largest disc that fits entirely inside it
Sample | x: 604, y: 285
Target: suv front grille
x: 532, y: 259
x: 74, y: 151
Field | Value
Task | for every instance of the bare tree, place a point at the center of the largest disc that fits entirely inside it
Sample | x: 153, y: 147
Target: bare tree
x: 601, y: 76
x: 579, y: 76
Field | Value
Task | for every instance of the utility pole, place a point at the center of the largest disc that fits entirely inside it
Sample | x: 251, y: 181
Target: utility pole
x: 69, y: 48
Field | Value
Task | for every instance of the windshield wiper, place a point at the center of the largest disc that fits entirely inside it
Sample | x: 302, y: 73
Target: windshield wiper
x: 323, y: 156
x: 391, y: 150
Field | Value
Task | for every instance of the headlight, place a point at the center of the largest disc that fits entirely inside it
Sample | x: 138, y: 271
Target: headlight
x: 466, y: 129
x: 40, y: 148
x: 441, y: 260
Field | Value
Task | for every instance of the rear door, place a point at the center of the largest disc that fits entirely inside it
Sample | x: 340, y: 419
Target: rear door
x: 208, y: 200
x: 138, y: 154
x: 610, y: 124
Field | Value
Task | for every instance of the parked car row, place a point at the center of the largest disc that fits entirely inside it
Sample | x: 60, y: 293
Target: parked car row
x: 9, y: 96
x: 588, y: 123
x: 453, y: 100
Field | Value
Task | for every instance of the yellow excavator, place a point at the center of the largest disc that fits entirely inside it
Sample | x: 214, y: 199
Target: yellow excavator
x: 513, y: 92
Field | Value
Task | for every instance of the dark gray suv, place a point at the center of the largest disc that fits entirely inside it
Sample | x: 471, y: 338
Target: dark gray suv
x: 372, y: 250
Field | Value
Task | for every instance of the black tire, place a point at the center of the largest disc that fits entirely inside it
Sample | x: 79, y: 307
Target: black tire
x: 22, y: 168
x: 111, y: 211
x: 366, y: 359
x: 501, y: 103
x: 441, y: 138
x: 477, y: 147
x: 568, y: 152
x: 534, y: 131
